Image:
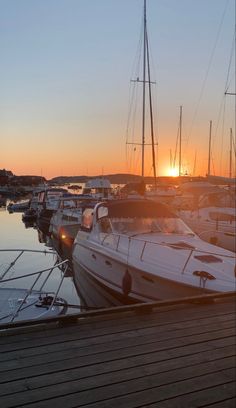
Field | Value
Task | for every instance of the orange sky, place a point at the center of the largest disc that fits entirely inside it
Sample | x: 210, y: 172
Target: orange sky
x: 65, y: 85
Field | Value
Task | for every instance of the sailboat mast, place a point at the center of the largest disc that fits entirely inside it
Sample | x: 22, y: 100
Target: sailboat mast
x: 144, y: 83
x: 230, y: 152
x: 151, y: 113
x: 180, y: 141
x: 209, y: 151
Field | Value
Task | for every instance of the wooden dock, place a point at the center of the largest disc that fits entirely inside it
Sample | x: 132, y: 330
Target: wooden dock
x: 167, y: 354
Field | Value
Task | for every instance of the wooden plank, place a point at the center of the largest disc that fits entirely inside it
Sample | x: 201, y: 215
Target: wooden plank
x: 126, y: 360
x: 157, y: 361
x: 125, y: 381
x: 23, y: 358
x: 220, y: 396
x: 137, y: 392
x: 123, y: 350
x: 111, y: 326
x: 109, y: 320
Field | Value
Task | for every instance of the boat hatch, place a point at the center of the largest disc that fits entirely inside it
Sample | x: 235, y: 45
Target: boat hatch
x: 181, y: 245
x: 208, y: 258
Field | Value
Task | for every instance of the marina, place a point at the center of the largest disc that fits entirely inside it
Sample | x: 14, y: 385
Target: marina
x: 174, y: 352
x: 117, y: 262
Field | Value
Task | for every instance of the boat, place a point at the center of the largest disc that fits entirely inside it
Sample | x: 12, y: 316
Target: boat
x: 162, y: 192
x: 33, y: 302
x: 99, y: 188
x: 141, y: 251
x: 47, y: 204
x: 66, y: 220
x: 213, y: 218
x: 21, y: 206
x: 211, y: 213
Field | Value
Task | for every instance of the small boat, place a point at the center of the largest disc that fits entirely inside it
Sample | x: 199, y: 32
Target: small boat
x: 47, y: 204
x: 31, y: 303
x: 99, y: 188
x: 141, y: 251
x: 66, y: 220
x: 18, y: 207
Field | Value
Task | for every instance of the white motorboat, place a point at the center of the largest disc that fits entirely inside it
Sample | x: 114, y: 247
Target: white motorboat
x: 213, y: 218
x: 36, y: 301
x: 99, y: 188
x: 140, y: 251
x: 164, y: 193
x: 66, y: 219
x: 47, y: 204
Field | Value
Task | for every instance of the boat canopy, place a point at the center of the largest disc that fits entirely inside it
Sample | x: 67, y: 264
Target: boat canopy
x: 135, y: 209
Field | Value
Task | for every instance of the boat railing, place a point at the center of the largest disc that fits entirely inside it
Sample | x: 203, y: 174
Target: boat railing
x: 175, y: 246
x: 59, y: 265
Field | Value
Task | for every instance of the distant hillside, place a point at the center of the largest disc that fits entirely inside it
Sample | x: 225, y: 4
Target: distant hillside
x: 113, y: 178
x: 123, y: 178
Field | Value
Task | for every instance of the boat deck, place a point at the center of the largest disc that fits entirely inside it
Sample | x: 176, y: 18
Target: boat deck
x: 167, y: 354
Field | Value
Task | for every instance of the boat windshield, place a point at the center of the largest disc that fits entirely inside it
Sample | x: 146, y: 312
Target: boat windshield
x: 137, y: 226
x: 222, y: 199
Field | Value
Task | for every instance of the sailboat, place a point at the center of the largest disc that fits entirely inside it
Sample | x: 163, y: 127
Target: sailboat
x: 212, y: 216
x: 144, y: 79
x: 139, y: 251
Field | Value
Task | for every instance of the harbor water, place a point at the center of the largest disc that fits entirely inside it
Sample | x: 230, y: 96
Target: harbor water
x: 15, y: 234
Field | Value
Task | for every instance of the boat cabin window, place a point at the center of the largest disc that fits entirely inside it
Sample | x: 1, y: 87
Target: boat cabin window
x: 105, y: 225
x: 217, y: 200
x: 102, y: 212
x: 103, y: 220
x: 87, y: 219
x: 68, y: 204
x: 217, y: 216
x: 149, y: 225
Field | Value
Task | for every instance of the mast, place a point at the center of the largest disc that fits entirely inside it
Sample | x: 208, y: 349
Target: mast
x: 209, y: 151
x: 230, y: 152
x: 151, y: 113
x: 144, y: 82
x: 146, y: 79
x: 180, y: 140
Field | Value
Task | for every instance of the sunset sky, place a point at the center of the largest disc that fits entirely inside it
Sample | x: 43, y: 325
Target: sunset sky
x: 65, y: 84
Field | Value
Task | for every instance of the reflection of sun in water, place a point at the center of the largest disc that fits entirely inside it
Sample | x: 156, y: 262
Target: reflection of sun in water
x: 173, y: 172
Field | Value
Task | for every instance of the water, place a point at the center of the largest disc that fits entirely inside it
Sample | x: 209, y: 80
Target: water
x: 16, y: 235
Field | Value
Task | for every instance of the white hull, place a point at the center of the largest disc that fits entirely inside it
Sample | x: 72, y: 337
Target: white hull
x: 157, y: 276
x: 152, y: 258
x: 32, y: 308
x: 221, y: 233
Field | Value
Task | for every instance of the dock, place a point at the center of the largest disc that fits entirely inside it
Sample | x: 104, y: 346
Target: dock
x: 177, y: 353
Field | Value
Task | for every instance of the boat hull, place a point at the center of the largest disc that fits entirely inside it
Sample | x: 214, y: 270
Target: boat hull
x: 31, y: 309
x: 126, y: 282
x: 222, y: 235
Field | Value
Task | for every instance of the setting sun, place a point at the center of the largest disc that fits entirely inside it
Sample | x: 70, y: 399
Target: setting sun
x: 173, y: 172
